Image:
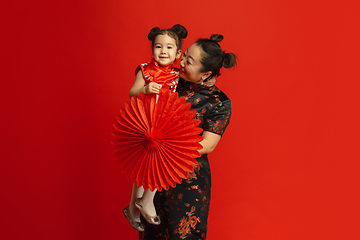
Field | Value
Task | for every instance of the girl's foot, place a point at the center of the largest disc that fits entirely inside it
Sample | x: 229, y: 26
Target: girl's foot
x: 148, y: 211
x: 137, y: 225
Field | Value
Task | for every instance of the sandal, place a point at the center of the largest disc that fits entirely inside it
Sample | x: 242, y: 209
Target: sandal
x: 136, y: 225
x: 155, y: 220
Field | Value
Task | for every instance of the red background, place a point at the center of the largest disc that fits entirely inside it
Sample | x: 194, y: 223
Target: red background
x: 286, y: 168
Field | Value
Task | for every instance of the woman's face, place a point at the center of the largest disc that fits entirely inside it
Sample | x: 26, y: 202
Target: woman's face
x: 190, y: 65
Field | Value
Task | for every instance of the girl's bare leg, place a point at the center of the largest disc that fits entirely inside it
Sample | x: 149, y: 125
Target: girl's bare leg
x: 148, y: 202
x: 135, y: 194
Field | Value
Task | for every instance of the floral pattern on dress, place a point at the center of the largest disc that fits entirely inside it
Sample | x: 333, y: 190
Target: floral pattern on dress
x: 187, y: 223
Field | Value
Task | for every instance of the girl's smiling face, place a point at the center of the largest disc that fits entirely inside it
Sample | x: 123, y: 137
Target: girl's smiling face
x: 191, y: 65
x: 165, y: 51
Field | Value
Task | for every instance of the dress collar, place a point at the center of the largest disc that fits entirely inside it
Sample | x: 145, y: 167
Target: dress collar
x: 168, y: 68
x: 195, y: 87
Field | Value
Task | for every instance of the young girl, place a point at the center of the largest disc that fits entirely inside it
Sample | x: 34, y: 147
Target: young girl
x: 150, y: 78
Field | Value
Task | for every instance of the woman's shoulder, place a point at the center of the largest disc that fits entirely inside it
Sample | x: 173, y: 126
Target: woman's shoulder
x: 214, y: 97
x: 217, y: 94
x: 218, y: 91
x: 210, y: 93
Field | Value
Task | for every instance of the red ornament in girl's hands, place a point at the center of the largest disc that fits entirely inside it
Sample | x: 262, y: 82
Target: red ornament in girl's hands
x: 157, y: 143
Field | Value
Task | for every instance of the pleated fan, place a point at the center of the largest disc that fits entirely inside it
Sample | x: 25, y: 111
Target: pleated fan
x: 157, y: 143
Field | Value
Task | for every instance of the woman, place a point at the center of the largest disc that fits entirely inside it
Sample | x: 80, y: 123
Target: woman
x: 183, y: 210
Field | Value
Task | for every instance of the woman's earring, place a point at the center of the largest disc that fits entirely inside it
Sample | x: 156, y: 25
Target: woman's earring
x: 202, y: 83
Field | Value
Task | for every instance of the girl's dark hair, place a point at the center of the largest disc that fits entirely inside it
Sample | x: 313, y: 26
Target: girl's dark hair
x: 214, y: 58
x: 177, y: 32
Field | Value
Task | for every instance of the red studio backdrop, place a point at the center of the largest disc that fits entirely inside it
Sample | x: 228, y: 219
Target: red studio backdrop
x: 285, y: 169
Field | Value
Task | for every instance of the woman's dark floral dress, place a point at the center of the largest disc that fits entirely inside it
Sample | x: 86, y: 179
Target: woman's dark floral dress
x: 184, y: 209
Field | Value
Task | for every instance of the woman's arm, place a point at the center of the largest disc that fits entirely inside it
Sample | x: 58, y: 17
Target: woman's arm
x: 139, y: 83
x: 210, y: 141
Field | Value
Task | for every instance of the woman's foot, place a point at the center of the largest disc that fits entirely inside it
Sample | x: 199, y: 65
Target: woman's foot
x: 137, y: 225
x: 148, y: 211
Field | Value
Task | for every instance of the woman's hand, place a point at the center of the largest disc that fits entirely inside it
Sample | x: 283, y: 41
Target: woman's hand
x: 152, y: 87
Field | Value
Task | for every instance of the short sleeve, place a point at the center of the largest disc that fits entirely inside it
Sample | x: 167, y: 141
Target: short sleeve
x: 137, y: 69
x: 219, y: 117
x: 147, y: 72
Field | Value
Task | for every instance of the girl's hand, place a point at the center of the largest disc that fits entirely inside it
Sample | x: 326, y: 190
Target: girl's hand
x: 152, y: 87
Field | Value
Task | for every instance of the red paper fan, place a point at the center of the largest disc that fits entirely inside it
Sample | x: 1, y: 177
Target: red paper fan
x: 157, y: 143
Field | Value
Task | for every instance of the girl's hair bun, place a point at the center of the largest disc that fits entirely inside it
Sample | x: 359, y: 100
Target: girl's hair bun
x: 177, y: 32
x: 180, y: 30
x: 153, y: 32
x: 216, y: 37
x: 229, y: 60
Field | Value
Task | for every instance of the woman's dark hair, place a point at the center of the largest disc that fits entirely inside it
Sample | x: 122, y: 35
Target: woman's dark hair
x: 177, y: 32
x: 214, y: 58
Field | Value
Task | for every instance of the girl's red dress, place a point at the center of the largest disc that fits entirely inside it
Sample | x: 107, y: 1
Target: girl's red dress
x: 153, y: 72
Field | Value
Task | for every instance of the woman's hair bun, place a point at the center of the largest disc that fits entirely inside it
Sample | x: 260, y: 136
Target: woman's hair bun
x: 153, y: 32
x: 216, y: 37
x: 180, y: 30
x: 229, y: 60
